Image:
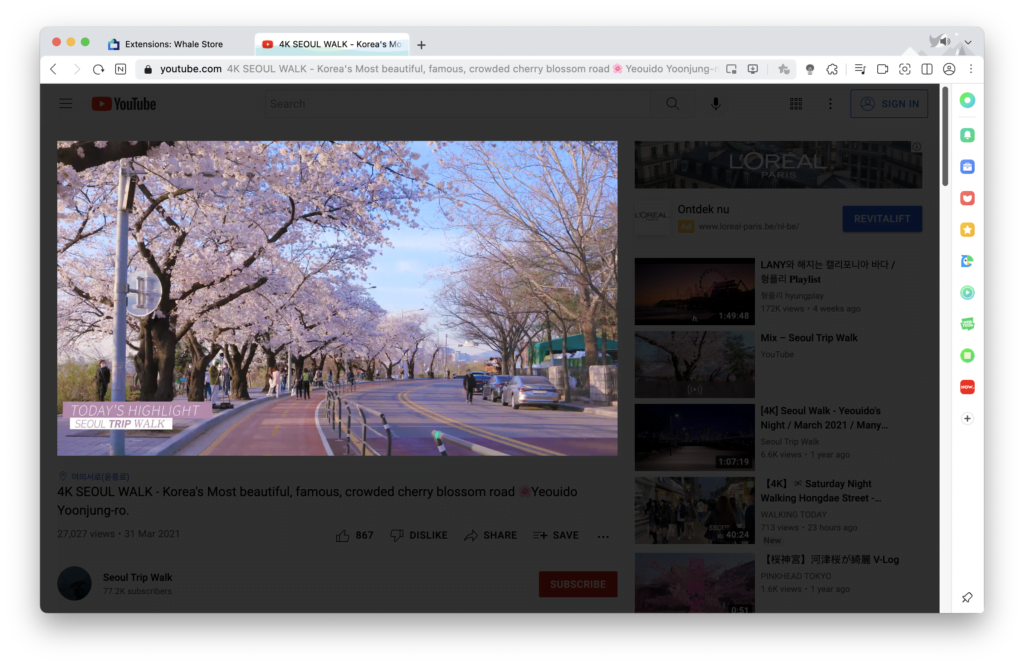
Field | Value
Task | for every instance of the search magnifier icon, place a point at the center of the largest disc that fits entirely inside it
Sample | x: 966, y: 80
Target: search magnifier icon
x: 672, y: 103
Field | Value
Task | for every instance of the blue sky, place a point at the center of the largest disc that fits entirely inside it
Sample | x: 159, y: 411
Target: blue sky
x: 399, y: 272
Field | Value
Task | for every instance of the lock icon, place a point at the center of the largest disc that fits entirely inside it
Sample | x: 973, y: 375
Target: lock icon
x: 148, y: 70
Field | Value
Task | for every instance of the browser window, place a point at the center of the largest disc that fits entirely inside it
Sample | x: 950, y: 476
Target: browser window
x: 315, y: 285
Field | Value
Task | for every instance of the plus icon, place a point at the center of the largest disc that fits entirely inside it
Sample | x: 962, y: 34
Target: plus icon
x: 421, y: 45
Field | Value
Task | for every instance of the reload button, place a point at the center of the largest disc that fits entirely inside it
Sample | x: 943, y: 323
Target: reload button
x: 579, y: 583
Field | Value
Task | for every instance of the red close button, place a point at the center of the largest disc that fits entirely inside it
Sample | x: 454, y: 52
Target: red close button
x: 579, y: 583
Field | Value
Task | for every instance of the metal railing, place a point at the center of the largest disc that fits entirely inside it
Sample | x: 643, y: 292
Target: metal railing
x: 339, y: 417
x: 440, y: 438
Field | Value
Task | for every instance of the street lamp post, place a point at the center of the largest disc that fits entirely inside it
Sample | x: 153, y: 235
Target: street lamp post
x: 126, y: 181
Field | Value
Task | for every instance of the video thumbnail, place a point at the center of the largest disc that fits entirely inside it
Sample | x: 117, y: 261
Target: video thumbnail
x: 272, y: 303
x: 694, y: 364
x: 693, y: 510
x: 694, y: 292
x: 694, y: 583
x: 778, y: 165
x: 691, y: 437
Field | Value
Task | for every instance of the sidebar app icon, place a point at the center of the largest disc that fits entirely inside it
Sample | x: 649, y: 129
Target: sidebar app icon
x: 967, y: 386
x: 967, y: 198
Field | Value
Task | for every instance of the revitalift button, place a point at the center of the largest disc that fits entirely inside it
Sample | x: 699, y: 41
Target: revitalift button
x: 579, y: 583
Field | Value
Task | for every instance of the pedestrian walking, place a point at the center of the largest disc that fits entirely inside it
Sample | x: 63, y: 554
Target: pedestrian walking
x: 206, y: 385
x: 305, y: 384
x: 680, y: 516
x: 721, y: 520
x: 215, y: 379
x: 102, y: 380
x: 469, y: 383
x: 736, y: 512
x: 275, y: 383
x: 666, y: 520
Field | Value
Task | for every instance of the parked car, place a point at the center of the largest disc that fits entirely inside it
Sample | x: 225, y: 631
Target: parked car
x: 481, y: 379
x: 494, y: 386
x: 529, y: 390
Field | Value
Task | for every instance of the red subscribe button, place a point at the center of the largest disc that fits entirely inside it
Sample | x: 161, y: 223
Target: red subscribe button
x: 579, y: 583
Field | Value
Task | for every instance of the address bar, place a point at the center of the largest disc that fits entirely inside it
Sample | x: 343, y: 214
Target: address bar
x: 454, y: 70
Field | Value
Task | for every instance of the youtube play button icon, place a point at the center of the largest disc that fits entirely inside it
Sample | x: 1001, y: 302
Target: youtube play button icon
x: 102, y: 103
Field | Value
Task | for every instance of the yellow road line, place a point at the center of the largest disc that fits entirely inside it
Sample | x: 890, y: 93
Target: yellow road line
x: 522, y: 446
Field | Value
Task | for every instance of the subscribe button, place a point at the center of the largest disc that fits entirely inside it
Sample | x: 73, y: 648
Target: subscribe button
x: 882, y: 218
x: 579, y: 583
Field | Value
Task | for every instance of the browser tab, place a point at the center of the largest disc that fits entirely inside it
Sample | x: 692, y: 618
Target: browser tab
x: 331, y: 44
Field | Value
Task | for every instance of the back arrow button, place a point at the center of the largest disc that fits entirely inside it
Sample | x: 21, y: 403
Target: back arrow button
x: 51, y: 68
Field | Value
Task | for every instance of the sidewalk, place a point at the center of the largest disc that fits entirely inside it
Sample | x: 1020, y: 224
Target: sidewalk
x: 144, y: 443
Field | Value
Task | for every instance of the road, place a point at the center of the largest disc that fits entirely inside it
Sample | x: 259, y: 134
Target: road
x: 413, y: 409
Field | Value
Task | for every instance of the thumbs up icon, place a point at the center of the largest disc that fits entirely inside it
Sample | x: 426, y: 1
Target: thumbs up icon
x: 341, y: 538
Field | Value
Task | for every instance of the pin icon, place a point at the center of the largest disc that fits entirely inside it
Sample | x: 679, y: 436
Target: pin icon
x: 63, y: 475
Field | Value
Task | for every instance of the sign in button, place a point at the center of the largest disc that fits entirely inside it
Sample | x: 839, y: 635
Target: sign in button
x: 882, y: 218
x: 888, y: 103
x: 579, y: 583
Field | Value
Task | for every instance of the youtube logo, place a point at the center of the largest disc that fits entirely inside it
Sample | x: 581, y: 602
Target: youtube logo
x: 268, y: 43
x: 102, y: 103
x: 967, y: 386
x: 967, y: 198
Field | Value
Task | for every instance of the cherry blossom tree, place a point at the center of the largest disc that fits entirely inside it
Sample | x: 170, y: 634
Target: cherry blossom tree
x: 548, y: 212
x: 217, y: 222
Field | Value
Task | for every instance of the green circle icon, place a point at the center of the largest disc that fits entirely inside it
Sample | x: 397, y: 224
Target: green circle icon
x: 967, y: 292
x: 967, y: 355
x: 967, y: 100
x: 85, y: 42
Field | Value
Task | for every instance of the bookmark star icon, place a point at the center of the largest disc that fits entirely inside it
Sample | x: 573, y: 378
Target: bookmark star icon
x: 967, y: 229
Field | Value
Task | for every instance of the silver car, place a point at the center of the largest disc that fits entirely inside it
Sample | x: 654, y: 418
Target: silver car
x: 529, y: 390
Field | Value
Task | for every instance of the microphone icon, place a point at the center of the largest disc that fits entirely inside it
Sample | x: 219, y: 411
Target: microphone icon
x: 715, y: 105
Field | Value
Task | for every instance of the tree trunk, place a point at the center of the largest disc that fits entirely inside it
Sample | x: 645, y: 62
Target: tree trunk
x: 154, y: 361
x: 589, y: 342
x: 551, y: 350
x: 565, y: 361
x: 271, y: 366
x: 239, y: 361
x: 200, y: 362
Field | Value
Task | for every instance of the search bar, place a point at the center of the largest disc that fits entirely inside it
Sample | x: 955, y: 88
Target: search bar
x: 437, y: 102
